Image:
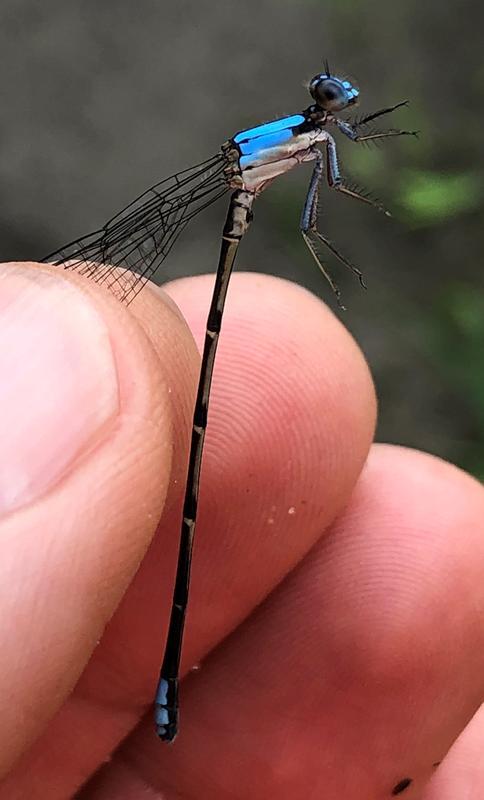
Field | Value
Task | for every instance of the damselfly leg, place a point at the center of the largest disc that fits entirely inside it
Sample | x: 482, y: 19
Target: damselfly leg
x: 310, y: 231
x: 337, y: 182
x: 352, y: 129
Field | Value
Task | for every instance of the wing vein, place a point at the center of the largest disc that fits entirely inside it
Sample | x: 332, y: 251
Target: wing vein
x: 130, y: 248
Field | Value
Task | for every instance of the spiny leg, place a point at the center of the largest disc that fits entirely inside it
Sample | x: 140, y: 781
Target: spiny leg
x: 309, y: 229
x: 335, y: 180
x: 340, y: 257
x: 312, y: 250
x: 309, y: 217
x: 350, y: 129
x: 381, y: 111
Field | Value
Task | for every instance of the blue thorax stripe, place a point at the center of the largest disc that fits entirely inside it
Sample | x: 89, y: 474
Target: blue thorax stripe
x: 269, y: 128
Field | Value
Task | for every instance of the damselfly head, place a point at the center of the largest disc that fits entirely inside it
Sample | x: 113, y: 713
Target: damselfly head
x: 331, y: 93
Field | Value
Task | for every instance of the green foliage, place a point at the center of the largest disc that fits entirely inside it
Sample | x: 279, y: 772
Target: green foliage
x: 456, y: 345
x: 365, y: 163
x: 431, y: 198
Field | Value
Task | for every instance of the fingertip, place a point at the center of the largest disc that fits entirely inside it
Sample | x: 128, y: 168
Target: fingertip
x: 87, y: 409
x: 282, y: 346
x: 433, y: 484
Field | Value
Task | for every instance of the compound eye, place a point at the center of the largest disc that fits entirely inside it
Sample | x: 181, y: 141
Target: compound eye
x: 331, y: 94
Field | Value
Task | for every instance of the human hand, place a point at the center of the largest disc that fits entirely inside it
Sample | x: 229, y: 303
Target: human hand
x: 337, y: 596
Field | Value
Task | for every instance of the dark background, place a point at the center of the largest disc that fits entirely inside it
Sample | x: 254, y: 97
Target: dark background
x: 101, y: 99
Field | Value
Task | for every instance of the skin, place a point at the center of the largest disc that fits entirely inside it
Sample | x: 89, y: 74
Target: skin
x: 337, y: 599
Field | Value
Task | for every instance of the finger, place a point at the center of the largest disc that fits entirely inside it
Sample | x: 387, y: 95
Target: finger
x: 461, y: 773
x: 360, y: 670
x: 291, y: 419
x: 86, y: 428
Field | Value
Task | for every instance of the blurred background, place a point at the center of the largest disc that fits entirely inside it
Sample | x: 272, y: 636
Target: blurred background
x: 100, y: 100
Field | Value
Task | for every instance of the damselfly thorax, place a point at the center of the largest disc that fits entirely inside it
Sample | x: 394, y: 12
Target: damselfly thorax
x: 258, y: 155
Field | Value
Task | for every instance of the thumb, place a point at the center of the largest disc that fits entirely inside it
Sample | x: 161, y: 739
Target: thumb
x: 86, y: 424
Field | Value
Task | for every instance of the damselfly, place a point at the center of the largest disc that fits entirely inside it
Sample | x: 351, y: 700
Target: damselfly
x: 139, y: 238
